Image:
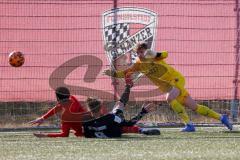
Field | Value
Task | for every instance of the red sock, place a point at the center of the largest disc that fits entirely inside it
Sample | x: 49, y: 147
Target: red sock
x: 132, y: 129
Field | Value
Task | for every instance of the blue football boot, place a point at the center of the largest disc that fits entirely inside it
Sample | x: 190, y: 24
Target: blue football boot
x: 189, y: 128
x: 225, y: 121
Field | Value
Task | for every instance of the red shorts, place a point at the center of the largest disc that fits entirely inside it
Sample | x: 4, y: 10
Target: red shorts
x: 66, y: 127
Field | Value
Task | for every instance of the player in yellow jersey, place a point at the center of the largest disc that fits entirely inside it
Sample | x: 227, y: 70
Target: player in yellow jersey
x: 169, y: 81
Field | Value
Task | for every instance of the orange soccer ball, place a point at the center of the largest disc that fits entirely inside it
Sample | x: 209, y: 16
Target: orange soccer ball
x: 16, y: 59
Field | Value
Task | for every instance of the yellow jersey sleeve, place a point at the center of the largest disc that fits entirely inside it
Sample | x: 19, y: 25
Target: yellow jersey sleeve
x: 129, y: 71
x: 119, y: 74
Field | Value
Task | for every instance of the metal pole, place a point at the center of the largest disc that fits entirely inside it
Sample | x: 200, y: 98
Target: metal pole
x: 234, y: 103
x: 114, y: 80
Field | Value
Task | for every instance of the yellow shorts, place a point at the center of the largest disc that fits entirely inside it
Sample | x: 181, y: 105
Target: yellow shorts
x: 175, y: 79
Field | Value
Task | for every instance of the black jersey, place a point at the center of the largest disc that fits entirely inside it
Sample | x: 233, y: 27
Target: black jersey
x: 107, y: 126
x: 110, y: 125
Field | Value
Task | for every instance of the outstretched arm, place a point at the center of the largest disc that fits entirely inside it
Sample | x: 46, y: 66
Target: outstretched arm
x: 50, y: 113
x: 119, y: 106
x: 146, y: 108
x: 123, y: 73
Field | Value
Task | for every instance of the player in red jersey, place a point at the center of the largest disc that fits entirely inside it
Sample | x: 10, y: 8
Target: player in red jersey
x: 68, y: 106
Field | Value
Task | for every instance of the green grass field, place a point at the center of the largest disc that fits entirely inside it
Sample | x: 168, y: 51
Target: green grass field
x: 206, y: 143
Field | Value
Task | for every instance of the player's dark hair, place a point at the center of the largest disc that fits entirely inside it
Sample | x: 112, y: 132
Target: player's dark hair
x: 62, y: 93
x: 142, y: 45
x: 94, y: 104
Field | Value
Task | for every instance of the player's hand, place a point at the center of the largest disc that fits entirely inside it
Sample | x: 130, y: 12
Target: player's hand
x: 37, y: 121
x: 148, y: 107
x: 40, y: 135
x: 108, y: 72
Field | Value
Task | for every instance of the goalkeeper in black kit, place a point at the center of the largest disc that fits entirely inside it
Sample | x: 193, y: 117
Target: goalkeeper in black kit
x: 113, y: 124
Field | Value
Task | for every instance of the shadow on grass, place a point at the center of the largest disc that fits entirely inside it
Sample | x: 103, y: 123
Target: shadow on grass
x: 174, y: 137
x: 231, y: 132
x: 154, y: 138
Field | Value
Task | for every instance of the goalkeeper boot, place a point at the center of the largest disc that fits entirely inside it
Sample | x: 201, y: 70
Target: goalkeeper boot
x: 189, y: 128
x: 152, y: 131
x: 225, y: 121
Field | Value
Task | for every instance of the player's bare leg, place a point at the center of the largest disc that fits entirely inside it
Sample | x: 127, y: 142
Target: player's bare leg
x: 179, y: 109
x: 205, y: 111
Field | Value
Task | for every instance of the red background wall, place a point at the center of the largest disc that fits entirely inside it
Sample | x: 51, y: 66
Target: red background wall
x: 199, y: 35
